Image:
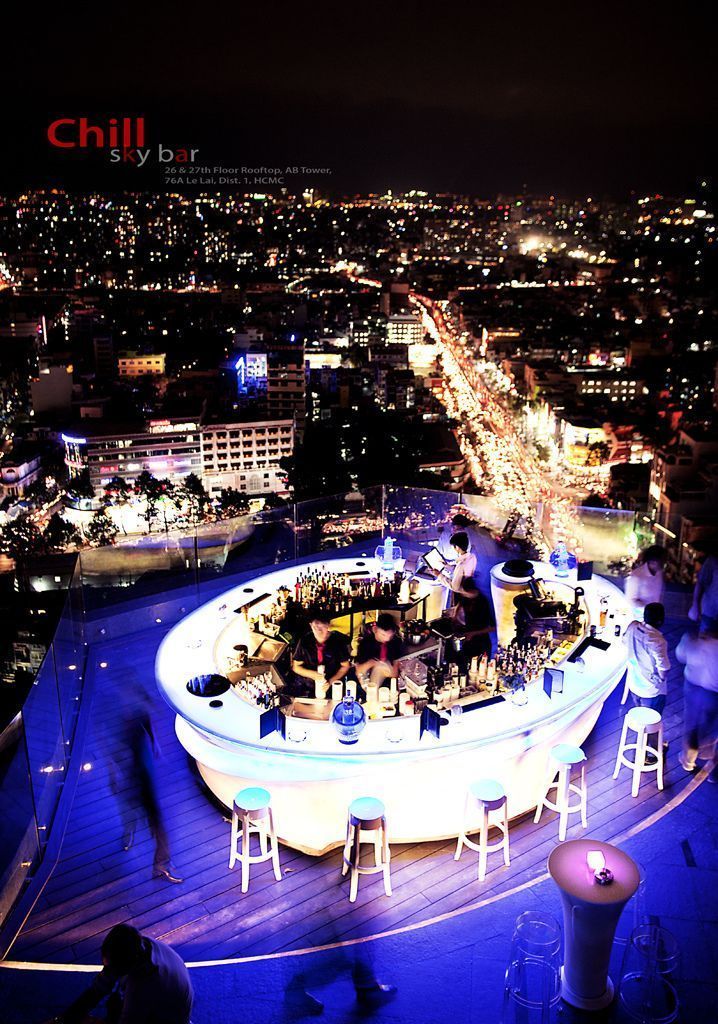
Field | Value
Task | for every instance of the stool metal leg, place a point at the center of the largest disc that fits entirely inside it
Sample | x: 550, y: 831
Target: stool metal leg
x: 621, y: 745
x: 386, y: 856
x: 378, y: 848
x: 584, y: 822
x: 640, y: 760
x: 659, y: 750
x: 233, y: 840
x: 275, y: 848
x: 563, y: 791
x: 347, y: 849
x: 356, y: 848
x: 507, y: 858
x: 483, y: 842
x: 245, y: 853
x: 542, y: 801
x: 262, y: 832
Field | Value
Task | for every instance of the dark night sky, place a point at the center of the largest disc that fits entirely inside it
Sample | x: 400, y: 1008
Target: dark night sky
x: 469, y: 97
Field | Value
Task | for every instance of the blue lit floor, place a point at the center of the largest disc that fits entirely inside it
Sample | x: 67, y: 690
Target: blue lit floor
x: 440, y: 967
x: 454, y: 967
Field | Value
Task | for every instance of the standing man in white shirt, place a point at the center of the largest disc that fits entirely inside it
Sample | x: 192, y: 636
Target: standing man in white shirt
x: 646, y: 583
x: 648, y: 662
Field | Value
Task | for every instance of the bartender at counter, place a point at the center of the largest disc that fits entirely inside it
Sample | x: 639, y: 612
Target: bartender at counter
x: 452, y: 576
x: 321, y: 657
x: 379, y: 652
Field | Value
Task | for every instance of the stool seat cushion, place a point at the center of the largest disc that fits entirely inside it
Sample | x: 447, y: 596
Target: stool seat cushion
x: 367, y: 808
x: 639, y: 718
x: 564, y: 753
x: 487, y: 790
x: 253, y: 798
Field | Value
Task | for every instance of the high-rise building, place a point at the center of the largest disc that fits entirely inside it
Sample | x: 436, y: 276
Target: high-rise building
x: 404, y: 329
x: 245, y: 456
x: 242, y: 455
x: 168, y: 448
x: 134, y: 365
x: 396, y: 299
x: 287, y: 385
x: 104, y: 352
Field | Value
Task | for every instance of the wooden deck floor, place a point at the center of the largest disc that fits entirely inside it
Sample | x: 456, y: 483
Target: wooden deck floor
x: 96, y: 884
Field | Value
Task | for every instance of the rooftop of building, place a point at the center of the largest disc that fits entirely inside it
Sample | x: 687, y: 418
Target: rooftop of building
x: 20, y: 453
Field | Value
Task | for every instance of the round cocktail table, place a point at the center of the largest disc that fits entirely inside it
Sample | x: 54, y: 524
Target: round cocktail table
x: 590, y: 915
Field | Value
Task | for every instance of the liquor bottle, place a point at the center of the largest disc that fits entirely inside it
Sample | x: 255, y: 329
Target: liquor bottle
x: 319, y: 684
x: 474, y: 672
x: 483, y: 668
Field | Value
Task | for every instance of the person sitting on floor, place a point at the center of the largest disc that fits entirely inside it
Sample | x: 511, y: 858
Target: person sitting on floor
x: 143, y: 980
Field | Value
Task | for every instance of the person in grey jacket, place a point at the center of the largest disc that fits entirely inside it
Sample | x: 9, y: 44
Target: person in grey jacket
x: 648, y: 662
x: 699, y: 654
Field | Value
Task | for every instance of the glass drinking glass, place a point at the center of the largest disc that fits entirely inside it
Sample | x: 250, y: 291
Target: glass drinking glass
x: 532, y: 990
x: 647, y: 991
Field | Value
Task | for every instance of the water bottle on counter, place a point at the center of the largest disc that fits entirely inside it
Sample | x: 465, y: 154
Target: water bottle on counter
x: 320, y: 684
x: 348, y: 718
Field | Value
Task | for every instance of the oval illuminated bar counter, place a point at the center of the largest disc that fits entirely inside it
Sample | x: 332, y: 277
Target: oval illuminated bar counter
x: 419, y: 765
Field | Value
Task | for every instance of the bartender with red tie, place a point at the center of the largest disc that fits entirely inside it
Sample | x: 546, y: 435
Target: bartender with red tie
x: 380, y: 651
x: 320, y: 658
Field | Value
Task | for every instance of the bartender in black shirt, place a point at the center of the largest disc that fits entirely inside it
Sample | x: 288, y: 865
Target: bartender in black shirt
x: 379, y: 652
x: 320, y: 658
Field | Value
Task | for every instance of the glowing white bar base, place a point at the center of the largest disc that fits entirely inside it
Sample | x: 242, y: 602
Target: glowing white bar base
x: 313, y: 777
x: 423, y: 791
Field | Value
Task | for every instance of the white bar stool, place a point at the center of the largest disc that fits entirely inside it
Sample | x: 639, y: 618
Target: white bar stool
x: 562, y: 759
x: 485, y: 796
x: 252, y: 809
x: 644, y: 722
x: 366, y: 814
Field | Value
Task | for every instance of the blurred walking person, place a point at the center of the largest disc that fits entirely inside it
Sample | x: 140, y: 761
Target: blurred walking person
x: 704, y: 609
x: 133, y: 767
x: 699, y: 654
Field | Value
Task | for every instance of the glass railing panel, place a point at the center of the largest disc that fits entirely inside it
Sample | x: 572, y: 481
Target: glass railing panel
x: 19, y: 847
x: 606, y: 537
x: 419, y: 518
x: 45, y: 744
x: 351, y: 520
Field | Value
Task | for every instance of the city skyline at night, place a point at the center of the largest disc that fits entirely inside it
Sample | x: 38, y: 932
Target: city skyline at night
x: 358, y: 533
